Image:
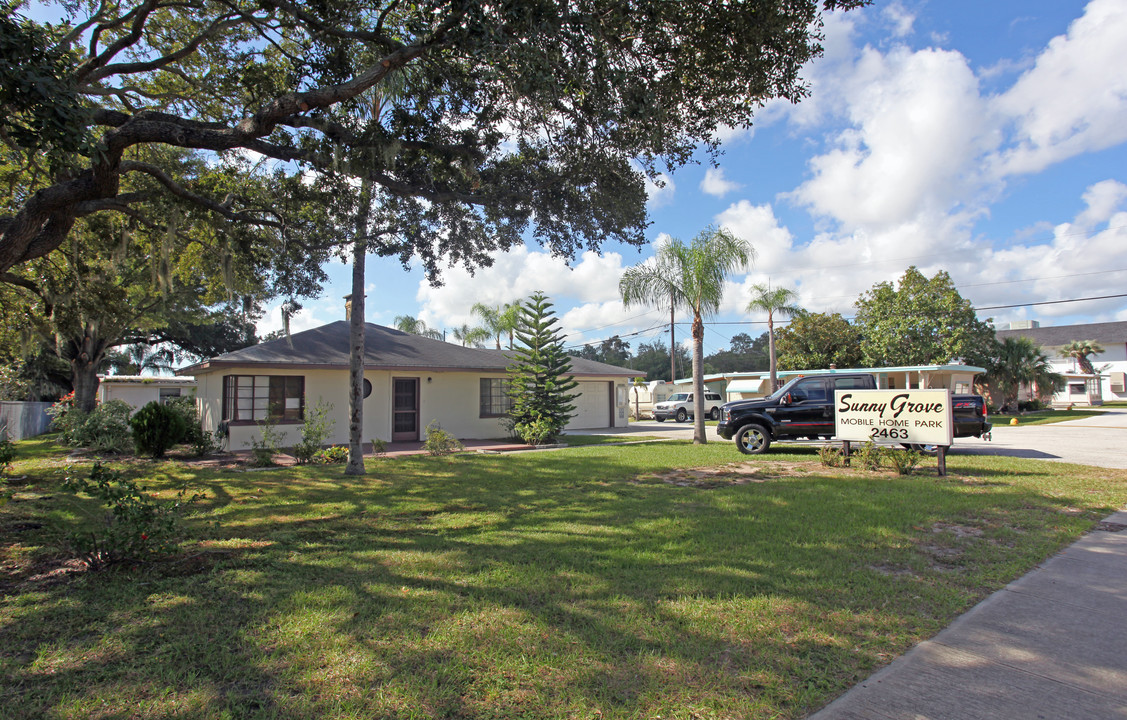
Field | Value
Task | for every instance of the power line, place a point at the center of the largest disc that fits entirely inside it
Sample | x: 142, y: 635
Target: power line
x: 1052, y: 302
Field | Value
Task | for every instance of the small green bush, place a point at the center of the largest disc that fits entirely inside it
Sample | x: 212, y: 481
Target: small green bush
x: 156, y: 428
x: 264, y: 448
x: 7, y: 450
x: 331, y: 455
x: 205, y: 443
x: 440, y: 442
x: 379, y: 447
x: 537, y: 431
x: 871, y: 456
x: 831, y: 455
x: 105, y: 430
x: 137, y: 526
x: 905, y: 461
x: 314, y: 432
x: 185, y: 407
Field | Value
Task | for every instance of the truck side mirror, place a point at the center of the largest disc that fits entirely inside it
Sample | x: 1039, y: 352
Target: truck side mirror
x: 786, y: 399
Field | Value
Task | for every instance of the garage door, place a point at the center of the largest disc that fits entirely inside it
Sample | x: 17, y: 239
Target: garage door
x: 592, y: 407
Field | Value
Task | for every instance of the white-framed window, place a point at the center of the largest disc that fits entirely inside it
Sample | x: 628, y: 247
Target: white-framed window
x: 257, y: 397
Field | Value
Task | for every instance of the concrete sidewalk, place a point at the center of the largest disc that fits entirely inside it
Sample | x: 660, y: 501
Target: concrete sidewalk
x: 1052, y: 644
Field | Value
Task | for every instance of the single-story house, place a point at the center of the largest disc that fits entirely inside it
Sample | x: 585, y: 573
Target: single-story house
x: 409, y: 381
x: 139, y: 390
x: 1111, y: 364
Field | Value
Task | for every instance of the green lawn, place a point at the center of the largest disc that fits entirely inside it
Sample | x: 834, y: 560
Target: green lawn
x: 591, y: 582
x: 1043, y: 417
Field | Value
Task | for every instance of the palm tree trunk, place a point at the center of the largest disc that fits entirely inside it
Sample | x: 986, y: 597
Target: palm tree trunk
x: 699, y: 437
x: 771, y: 352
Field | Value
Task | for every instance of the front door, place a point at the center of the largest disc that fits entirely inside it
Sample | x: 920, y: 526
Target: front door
x: 404, y: 409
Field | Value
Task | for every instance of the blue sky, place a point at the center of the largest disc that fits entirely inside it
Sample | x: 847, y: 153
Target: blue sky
x: 987, y: 139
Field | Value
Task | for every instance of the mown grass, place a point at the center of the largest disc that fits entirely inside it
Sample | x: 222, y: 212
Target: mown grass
x: 590, y: 582
x: 1043, y: 417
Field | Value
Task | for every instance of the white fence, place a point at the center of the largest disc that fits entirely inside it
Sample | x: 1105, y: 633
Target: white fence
x: 24, y: 419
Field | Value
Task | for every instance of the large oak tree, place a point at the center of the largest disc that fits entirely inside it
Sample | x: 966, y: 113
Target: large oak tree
x: 523, y: 115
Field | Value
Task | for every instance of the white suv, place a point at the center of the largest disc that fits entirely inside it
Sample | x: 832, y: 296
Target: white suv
x: 679, y: 406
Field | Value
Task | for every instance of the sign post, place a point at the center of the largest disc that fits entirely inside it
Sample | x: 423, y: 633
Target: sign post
x: 909, y: 417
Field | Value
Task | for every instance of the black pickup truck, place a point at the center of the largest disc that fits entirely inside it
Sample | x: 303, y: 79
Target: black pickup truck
x: 804, y: 408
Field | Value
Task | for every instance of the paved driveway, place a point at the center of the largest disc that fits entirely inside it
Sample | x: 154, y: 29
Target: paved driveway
x: 1100, y: 440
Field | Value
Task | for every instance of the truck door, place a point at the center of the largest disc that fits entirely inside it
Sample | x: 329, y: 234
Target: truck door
x: 810, y: 411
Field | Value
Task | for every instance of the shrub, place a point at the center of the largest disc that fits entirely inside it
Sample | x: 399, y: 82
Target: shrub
x: 265, y: 448
x: 905, y: 461
x: 156, y: 428
x: 137, y: 526
x: 7, y: 450
x: 536, y: 431
x: 105, y: 430
x: 331, y: 455
x: 65, y: 418
x: 831, y: 455
x: 871, y: 456
x: 185, y: 407
x: 379, y: 447
x: 205, y: 443
x: 314, y: 432
x: 440, y: 442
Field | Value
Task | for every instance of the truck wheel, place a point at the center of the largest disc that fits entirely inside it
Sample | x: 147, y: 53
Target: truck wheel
x: 682, y: 416
x: 659, y: 419
x: 715, y: 414
x: 753, y: 439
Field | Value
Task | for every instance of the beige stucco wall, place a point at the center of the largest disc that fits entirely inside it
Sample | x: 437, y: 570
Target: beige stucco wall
x: 451, y: 398
x: 137, y: 394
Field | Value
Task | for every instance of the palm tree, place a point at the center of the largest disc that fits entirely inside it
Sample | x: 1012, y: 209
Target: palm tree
x: 1079, y: 350
x: 415, y: 326
x: 773, y: 301
x: 471, y: 337
x: 499, y: 319
x: 690, y: 277
x: 1018, y: 362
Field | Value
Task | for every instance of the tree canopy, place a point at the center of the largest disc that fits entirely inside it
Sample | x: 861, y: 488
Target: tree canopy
x: 519, y: 115
x: 920, y: 321
x: 818, y: 340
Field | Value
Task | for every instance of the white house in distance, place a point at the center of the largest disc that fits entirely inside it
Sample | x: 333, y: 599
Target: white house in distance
x: 140, y: 390
x: 1111, y: 364
x: 409, y: 381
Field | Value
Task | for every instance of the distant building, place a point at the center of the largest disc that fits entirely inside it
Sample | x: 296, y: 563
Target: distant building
x: 1111, y: 364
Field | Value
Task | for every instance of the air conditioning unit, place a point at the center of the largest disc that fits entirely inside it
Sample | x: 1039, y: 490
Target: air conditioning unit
x: 1118, y: 382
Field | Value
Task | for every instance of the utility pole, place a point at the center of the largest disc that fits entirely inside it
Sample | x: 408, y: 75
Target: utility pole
x: 672, y: 344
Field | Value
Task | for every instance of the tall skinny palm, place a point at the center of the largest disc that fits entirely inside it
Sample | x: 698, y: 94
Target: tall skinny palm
x: 773, y: 301
x: 689, y: 277
x: 499, y: 319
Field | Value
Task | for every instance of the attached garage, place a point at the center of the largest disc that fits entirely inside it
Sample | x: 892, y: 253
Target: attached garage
x: 593, y: 406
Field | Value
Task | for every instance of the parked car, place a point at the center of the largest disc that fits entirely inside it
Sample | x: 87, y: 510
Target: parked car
x: 804, y: 408
x: 679, y: 406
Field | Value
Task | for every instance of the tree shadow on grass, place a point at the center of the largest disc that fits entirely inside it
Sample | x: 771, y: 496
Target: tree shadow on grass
x: 482, y: 587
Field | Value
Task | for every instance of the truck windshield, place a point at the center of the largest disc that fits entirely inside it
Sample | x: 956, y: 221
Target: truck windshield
x: 778, y: 394
x: 678, y: 397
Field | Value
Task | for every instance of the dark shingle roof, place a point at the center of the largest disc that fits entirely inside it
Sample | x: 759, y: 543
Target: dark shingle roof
x: 1109, y: 333
x: 384, y: 347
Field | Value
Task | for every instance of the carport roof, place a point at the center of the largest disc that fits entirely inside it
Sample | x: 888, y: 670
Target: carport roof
x: 327, y: 347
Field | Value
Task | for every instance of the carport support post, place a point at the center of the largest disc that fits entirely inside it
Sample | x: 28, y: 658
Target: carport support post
x: 942, y: 458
